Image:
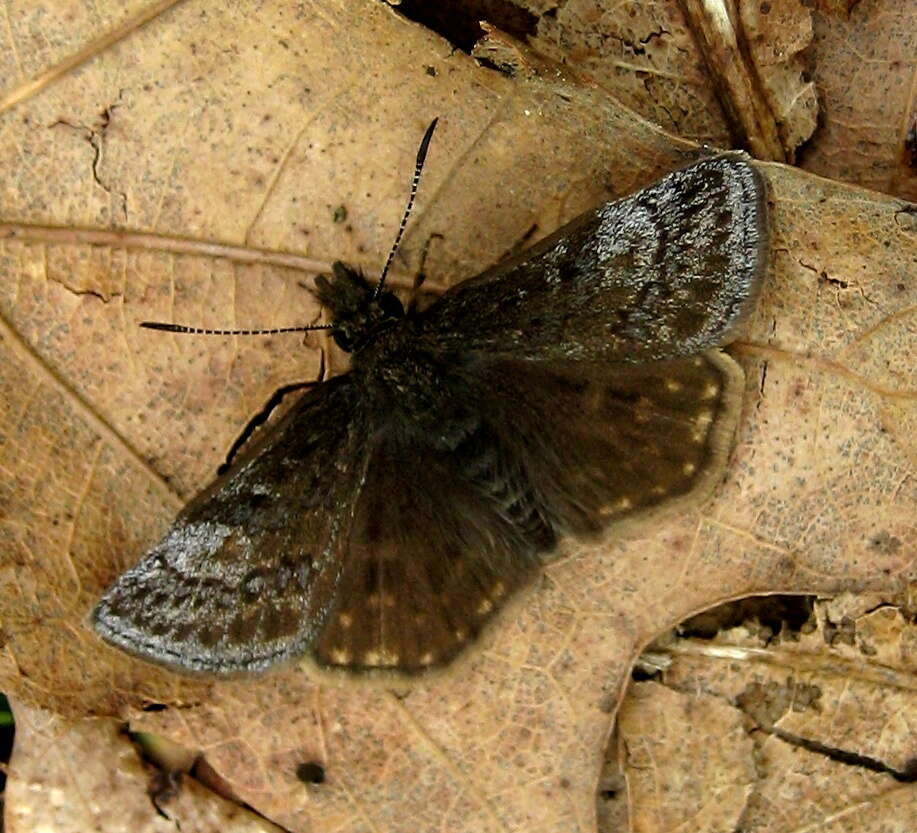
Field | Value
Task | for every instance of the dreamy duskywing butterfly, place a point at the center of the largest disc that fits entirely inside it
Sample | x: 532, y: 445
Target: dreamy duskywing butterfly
x: 395, y: 508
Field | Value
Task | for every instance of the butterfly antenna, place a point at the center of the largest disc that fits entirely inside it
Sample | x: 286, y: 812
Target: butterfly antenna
x: 418, y: 167
x: 181, y: 328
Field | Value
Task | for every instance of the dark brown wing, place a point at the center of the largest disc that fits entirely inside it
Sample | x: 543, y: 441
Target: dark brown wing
x: 605, y: 444
x: 430, y: 558
x: 669, y: 271
x: 442, y: 539
x: 244, y: 576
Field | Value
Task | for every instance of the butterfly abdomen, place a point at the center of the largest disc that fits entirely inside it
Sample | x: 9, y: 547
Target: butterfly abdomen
x: 487, y: 466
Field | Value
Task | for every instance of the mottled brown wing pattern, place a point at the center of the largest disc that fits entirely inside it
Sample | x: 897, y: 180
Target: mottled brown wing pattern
x: 669, y: 271
x: 245, y: 574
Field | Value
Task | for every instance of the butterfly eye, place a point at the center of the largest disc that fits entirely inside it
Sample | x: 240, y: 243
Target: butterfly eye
x: 391, y: 306
x: 343, y: 340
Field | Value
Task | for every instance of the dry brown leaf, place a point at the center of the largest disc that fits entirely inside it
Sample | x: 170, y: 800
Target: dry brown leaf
x: 864, y: 62
x: 745, y: 733
x: 777, y: 33
x: 645, y: 55
x: 80, y: 775
x: 249, y: 127
x: 836, y: 76
x: 689, y: 761
x: 713, y: 72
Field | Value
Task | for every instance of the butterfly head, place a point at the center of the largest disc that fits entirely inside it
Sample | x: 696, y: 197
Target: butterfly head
x: 358, y: 314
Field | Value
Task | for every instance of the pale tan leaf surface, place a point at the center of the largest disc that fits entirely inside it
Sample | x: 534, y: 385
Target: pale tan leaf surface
x: 864, y: 64
x: 39, y: 36
x: 813, y: 730
x: 80, y: 775
x: 251, y: 126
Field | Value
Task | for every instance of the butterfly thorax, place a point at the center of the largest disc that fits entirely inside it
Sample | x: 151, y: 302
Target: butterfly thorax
x: 404, y: 377
x: 423, y: 397
x: 410, y: 383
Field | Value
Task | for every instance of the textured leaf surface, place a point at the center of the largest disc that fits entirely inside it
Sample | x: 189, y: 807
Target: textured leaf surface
x: 812, y: 728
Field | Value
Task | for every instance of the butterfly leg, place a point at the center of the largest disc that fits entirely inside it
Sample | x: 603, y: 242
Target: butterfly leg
x: 421, y: 276
x: 264, y: 414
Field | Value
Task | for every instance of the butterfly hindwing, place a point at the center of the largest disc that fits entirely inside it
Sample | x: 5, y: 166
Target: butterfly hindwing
x: 606, y: 444
x: 432, y: 555
x: 442, y: 538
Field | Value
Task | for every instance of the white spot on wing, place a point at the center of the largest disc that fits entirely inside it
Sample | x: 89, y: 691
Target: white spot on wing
x: 378, y: 659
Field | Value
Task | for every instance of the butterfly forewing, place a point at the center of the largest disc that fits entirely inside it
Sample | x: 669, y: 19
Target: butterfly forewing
x: 242, y: 579
x: 669, y: 271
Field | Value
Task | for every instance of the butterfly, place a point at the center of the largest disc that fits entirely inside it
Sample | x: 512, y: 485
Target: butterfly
x: 389, y: 515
